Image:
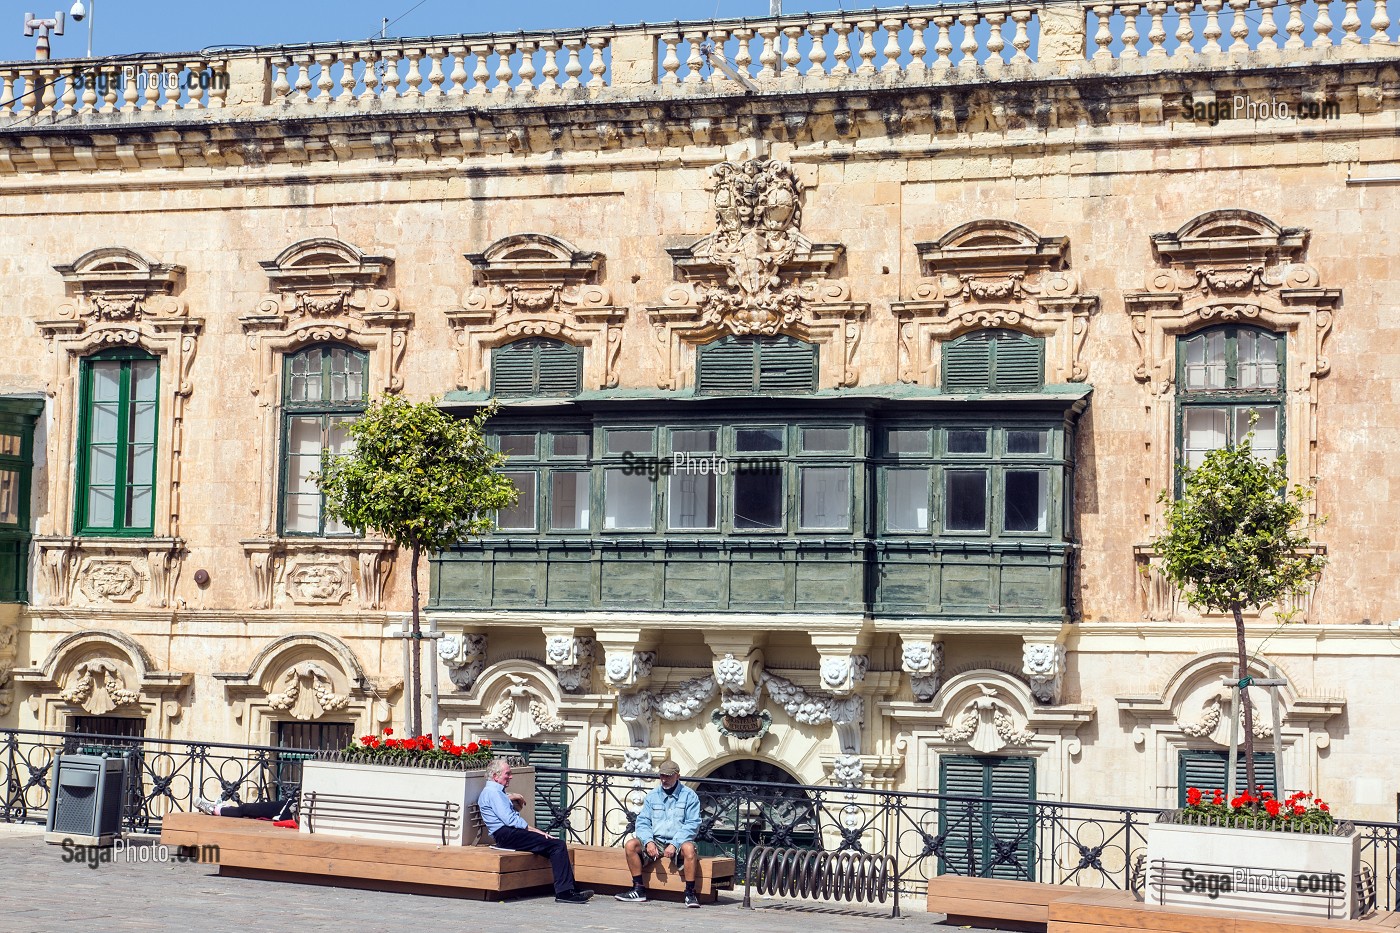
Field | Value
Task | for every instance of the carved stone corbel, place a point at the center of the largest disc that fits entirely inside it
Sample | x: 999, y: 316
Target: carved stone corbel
x: 572, y: 658
x: 922, y: 660
x: 465, y: 657
x: 1044, y: 667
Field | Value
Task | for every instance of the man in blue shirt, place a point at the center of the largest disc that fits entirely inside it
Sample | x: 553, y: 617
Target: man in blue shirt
x: 666, y: 828
x: 510, y: 831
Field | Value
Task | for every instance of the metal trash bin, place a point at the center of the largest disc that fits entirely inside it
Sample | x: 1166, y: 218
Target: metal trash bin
x: 85, y: 803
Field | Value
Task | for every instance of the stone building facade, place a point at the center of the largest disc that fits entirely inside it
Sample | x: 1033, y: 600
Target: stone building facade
x: 840, y: 394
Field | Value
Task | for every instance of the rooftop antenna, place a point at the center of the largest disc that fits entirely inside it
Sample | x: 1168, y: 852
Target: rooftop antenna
x: 384, y: 28
x: 775, y: 7
x: 42, y: 27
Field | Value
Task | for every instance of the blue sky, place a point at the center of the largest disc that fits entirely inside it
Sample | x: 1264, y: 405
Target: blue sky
x: 124, y: 26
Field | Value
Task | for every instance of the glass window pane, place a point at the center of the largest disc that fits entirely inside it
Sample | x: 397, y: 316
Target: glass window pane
x: 142, y: 429
x: 965, y: 498
x: 302, y: 513
x: 1203, y: 430
x: 1258, y: 360
x: 143, y: 380
x: 9, y: 497
x: 758, y: 440
x: 627, y: 500
x: 570, y: 445
x: 9, y: 445
x: 521, y: 516
x: 758, y: 498
x: 826, y: 497
x: 518, y: 445
x: 299, y: 468
x: 691, y: 496
x: 143, y: 463
x: 101, y: 507
x: 636, y: 442
x: 355, y: 378
x: 964, y: 441
x: 568, y: 500
x: 1027, y: 500
x: 1265, y: 440
x: 104, y: 423
x: 102, y: 466
x: 338, y: 430
x: 906, y: 500
x: 820, y: 440
x: 304, y: 436
x: 1205, y: 360
x: 333, y: 526
x: 1027, y: 442
x: 906, y: 441
x: 106, y: 381
x: 699, y: 441
x: 140, y: 505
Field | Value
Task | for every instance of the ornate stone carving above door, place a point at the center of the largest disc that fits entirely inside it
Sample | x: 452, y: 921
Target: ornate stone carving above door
x: 318, y: 571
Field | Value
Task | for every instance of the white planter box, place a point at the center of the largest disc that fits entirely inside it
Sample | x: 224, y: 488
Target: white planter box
x: 391, y: 783
x: 1246, y: 869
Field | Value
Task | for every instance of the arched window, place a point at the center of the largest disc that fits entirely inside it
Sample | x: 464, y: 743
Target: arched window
x: 536, y: 366
x: 323, y: 390
x: 994, y: 361
x: 749, y: 365
x: 117, y: 443
x: 1222, y: 375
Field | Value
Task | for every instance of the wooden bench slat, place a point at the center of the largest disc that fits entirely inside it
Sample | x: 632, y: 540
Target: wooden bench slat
x: 963, y: 907
x: 380, y: 871
x: 993, y: 889
x: 1094, y: 911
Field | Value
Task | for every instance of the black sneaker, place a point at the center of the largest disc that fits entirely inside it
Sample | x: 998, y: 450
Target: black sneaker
x: 632, y: 896
x: 573, y: 897
x: 586, y: 892
x: 691, y: 900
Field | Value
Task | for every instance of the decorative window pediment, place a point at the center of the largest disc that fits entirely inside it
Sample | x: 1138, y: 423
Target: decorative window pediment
x: 536, y: 285
x: 994, y: 274
x: 758, y: 274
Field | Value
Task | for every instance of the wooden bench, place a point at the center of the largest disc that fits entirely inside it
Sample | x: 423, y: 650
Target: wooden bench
x: 605, y: 867
x: 256, y: 848
x: 1022, y: 905
x: 1091, y: 910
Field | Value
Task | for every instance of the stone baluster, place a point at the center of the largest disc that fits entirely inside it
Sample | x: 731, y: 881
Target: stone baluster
x: 130, y: 89
x: 151, y: 73
x: 816, y: 55
x: 26, y: 100
x: 505, y: 74
x: 792, y: 55
x: 1239, y: 26
x: 480, y: 74
x: 891, y: 51
x: 1184, y: 32
x: 968, y: 62
x: 68, y: 100
x: 1294, y: 27
x: 842, y: 54
x: 112, y: 93
x: 1021, y: 42
x: 694, y: 61
x: 867, y: 47
x: 550, y: 70
x: 526, y: 71
x: 1268, y: 28
x: 195, y: 100
x: 573, y: 67
x: 302, y: 87
x: 1212, y: 32
x: 597, y: 65
x: 917, y: 67
x: 6, y: 86
x: 347, y: 78
x: 369, y: 75
x: 281, y: 87
x: 414, y: 74
x: 170, y: 82
x: 390, y: 58
x: 48, y: 77
x: 324, y: 82
x: 436, y: 76
x: 1380, y: 22
x: 768, y: 58
x: 1102, y: 37
x: 1351, y: 25
x: 1157, y: 32
x: 218, y: 85
x: 670, y: 61
x: 943, y: 47
x: 1322, y: 26
x: 743, y: 55
x: 90, y: 102
x: 1130, y: 30
x: 996, y: 42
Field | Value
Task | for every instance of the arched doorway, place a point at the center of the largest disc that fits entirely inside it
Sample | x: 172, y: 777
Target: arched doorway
x: 753, y: 802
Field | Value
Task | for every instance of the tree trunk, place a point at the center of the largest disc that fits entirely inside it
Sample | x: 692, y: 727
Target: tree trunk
x: 415, y: 708
x: 1246, y: 710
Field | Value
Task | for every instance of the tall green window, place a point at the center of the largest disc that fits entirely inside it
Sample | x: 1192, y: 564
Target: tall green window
x: 323, y: 390
x: 1223, y: 374
x: 536, y: 366
x: 17, y: 417
x: 748, y: 365
x: 994, y: 361
x: 117, y: 443
x: 984, y: 839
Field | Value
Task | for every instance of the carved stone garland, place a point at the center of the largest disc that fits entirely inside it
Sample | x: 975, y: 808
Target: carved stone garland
x: 1223, y: 267
x: 117, y: 298
x: 324, y: 291
x: 533, y: 285
x: 994, y: 274
x: 757, y: 274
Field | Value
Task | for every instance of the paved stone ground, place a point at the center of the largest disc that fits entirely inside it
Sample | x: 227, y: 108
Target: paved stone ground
x: 40, y: 893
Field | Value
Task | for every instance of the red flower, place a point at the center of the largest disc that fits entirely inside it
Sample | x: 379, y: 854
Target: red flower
x: 473, y: 748
x: 366, y: 739
x: 388, y: 731
x: 1273, y: 806
x: 1323, y: 807
x: 1298, y: 811
x: 486, y: 742
x: 1193, y: 797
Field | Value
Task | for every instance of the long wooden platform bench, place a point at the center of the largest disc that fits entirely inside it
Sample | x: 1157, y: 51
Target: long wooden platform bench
x: 1091, y: 910
x: 605, y: 868
x: 1015, y: 905
x: 255, y: 848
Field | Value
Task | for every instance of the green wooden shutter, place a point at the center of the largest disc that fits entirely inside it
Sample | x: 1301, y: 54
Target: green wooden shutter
x: 727, y: 366
x: 536, y: 366
x: 1010, y: 830
x: 513, y: 369
x: 1206, y: 770
x: 560, y: 368
x: 960, y: 822
x: 786, y: 365
x: 987, y: 840
x: 967, y: 364
x: 551, y: 787
x: 1017, y: 363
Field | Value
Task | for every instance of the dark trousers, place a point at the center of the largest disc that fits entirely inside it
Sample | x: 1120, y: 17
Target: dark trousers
x: 523, y: 840
x: 259, y: 811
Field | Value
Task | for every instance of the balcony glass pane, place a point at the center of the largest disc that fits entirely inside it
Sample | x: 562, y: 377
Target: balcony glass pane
x: 826, y: 497
x: 826, y: 440
x: 965, y: 497
x: 1026, y: 500
x: 101, y: 506
x: 622, y: 442
x: 692, y: 499
x: 521, y: 516
x: 627, y: 500
x: 965, y: 441
x: 9, y: 497
x: 906, y: 500
x: 906, y: 441
x: 758, y: 499
x: 568, y: 500
x: 1027, y: 442
x: 758, y: 440
x: 570, y: 445
x: 9, y: 445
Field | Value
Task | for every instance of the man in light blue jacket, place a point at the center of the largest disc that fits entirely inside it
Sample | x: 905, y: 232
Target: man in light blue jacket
x: 666, y: 828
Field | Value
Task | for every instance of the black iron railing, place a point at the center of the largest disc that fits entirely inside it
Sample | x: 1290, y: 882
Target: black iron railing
x: 926, y: 834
